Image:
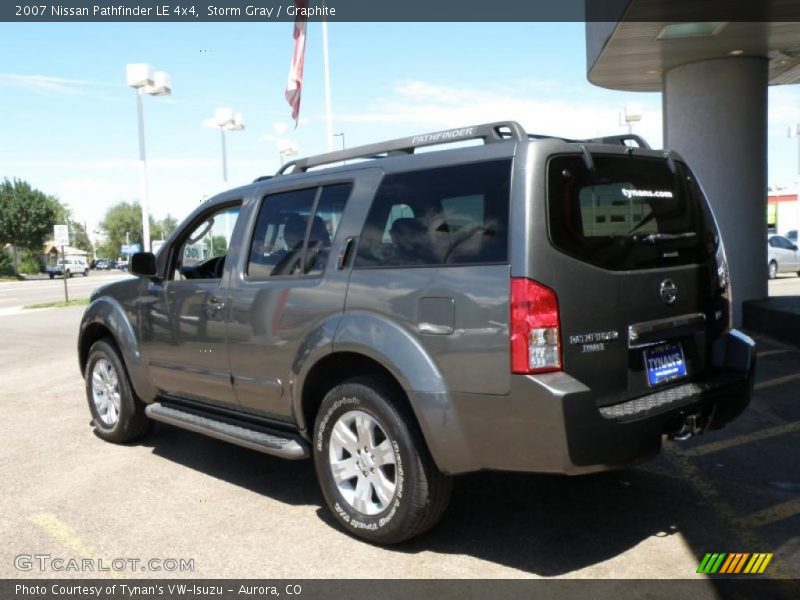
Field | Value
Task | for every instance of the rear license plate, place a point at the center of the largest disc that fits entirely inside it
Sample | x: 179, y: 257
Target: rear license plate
x: 664, y: 363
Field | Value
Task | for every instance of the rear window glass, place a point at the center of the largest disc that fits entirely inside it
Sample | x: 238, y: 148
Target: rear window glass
x: 445, y: 216
x: 629, y: 213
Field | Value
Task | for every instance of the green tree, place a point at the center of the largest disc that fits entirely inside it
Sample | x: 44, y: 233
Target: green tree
x: 27, y: 216
x: 160, y: 230
x: 122, y: 224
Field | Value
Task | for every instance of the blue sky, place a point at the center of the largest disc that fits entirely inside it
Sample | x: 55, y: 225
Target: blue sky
x: 70, y: 121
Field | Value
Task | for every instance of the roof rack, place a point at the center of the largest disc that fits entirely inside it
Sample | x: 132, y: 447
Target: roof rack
x: 621, y: 139
x: 490, y: 133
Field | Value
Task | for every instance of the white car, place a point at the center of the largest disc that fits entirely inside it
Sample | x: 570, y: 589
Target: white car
x: 782, y: 256
x: 68, y: 267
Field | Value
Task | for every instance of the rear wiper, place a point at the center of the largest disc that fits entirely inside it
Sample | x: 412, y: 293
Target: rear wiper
x: 660, y: 237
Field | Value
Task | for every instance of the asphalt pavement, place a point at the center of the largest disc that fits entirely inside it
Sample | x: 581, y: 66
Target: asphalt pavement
x: 238, y: 513
x: 16, y: 294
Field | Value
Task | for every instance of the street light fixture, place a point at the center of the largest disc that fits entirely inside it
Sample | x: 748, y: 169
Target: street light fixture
x: 341, y: 135
x: 144, y: 80
x: 633, y: 114
x: 227, y: 120
x: 286, y: 148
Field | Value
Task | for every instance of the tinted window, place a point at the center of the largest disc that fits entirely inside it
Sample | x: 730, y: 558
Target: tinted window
x: 327, y: 217
x: 631, y: 212
x: 289, y: 227
x: 446, y: 216
x: 203, y: 250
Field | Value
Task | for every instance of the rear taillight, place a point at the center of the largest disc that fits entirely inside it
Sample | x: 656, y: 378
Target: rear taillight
x: 535, y: 329
x: 723, y: 315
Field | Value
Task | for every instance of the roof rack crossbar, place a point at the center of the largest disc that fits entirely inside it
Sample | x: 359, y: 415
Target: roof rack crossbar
x: 490, y: 133
x: 621, y: 139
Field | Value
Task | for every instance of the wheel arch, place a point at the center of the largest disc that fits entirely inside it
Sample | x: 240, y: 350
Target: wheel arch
x: 106, y: 318
x: 367, y: 344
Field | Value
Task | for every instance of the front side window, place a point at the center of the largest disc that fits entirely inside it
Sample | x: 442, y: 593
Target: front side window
x: 202, y: 252
x: 446, y: 216
x: 294, y: 231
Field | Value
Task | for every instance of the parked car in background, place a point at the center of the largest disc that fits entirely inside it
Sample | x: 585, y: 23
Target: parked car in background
x: 101, y: 264
x: 122, y: 265
x: 782, y: 256
x: 68, y: 267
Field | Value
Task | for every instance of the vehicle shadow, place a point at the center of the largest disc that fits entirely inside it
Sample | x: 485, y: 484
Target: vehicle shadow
x: 540, y: 524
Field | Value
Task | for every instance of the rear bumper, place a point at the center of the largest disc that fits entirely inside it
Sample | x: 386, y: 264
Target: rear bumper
x: 551, y: 423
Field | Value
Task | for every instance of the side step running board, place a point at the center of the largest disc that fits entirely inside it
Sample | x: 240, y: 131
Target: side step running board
x: 240, y: 433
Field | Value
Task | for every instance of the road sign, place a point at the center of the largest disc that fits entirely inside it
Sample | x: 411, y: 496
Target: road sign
x: 61, y: 235
x: 129, y: 249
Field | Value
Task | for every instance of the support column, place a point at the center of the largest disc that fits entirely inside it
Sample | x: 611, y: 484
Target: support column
x: 715, y: 116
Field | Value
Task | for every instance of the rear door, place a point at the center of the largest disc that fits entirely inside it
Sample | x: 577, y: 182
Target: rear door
x: 433, y: 258
x: 634, y: 272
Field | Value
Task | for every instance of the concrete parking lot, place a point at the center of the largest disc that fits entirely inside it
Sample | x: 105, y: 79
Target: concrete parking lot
x: 238, y: 513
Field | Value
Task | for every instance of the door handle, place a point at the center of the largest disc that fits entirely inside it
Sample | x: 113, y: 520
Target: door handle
x: 214, y: 304
x: 344, y: 254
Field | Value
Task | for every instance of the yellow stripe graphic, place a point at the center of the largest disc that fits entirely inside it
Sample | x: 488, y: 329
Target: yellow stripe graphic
x: 767, y: 558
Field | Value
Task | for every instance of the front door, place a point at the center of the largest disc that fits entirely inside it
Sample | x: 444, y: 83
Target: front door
x: 183, y: 318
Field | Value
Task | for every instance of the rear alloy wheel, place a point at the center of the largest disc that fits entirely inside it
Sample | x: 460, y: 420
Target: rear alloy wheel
x: 376, y: 473
x: 773, y: 269
x: 118, y: 415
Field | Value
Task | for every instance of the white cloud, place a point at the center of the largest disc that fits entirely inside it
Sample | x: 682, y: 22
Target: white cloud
x: 430, y: 105
x: 47, y: 84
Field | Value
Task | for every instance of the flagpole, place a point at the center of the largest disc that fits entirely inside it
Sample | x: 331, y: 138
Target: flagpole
x: 326, y: 67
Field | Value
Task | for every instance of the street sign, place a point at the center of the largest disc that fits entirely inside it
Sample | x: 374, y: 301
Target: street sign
x: 129, y: 249
x: 61, y: 235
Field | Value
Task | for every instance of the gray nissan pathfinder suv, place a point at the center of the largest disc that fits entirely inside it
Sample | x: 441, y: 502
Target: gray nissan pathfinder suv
x: 528, y: 303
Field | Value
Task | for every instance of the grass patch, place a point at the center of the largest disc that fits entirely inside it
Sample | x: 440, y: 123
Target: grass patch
x: 12, y: 278
x: 60, y: 304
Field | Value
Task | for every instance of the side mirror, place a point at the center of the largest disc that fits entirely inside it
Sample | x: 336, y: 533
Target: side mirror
x: 794, y: 246
x: 143, y: 264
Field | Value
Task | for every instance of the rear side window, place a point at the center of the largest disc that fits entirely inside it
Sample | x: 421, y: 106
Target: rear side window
x: 629, y: 213
x: 446, y: 216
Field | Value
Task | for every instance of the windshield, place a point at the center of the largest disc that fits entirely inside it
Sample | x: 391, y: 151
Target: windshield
x: 628, y: 213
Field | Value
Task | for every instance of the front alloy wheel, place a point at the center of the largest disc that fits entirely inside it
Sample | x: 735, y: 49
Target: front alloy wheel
x: 117, y: 413
x: 105, y: 392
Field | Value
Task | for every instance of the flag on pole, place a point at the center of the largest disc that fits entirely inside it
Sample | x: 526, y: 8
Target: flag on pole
x: 295, y: 83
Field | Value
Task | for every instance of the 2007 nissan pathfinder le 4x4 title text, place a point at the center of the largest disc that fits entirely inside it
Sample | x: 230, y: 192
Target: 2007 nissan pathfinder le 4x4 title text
x: 528, y: 304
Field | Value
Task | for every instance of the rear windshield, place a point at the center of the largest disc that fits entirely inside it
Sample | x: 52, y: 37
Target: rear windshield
x: 628, y: 213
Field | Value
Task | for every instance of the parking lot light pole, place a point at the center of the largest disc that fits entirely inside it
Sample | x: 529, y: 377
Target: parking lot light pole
x: 143, y: 80
x: 227, y: 120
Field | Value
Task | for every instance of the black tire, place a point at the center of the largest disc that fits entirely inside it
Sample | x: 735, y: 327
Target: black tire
x: 86, y: 272
x: 51, y: 276
x: 68, y: 275
x: 131, y: 423
x: 422, y: 492
x: 772, y: 270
